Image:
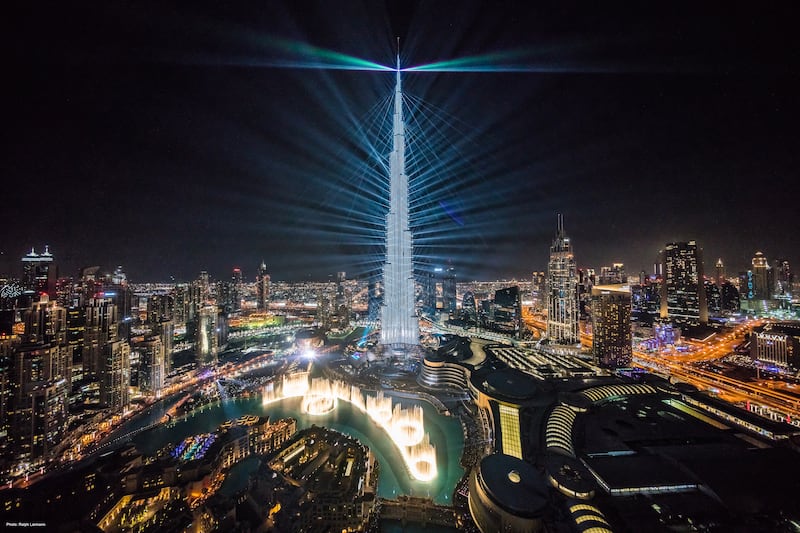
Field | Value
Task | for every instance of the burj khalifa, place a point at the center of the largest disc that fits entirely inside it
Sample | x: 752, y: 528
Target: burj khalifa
x: 399, y: 323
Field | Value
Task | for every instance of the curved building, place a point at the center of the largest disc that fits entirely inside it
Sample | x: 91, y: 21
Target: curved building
x: 507, y: 494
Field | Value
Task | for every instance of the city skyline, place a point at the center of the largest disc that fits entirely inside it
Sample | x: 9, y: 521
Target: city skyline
x: 174, y: 146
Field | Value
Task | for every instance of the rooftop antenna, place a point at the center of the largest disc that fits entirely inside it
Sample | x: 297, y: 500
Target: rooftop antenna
x: 398, y: 53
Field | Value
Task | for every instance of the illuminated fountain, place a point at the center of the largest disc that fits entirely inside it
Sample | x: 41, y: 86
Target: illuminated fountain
x: 295, y: 384
x: 319, y: 400
x: 404, y: 425
x: 379, y: 408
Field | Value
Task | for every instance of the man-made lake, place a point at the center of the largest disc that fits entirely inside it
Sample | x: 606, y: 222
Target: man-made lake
x: 445, y: 434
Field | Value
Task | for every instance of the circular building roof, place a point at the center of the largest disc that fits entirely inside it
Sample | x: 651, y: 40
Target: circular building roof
x: 509, y: 383
x: 570, y: 476
x: 514, y: 485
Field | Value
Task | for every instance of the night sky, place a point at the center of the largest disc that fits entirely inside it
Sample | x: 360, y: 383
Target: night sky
x: 171, y: 140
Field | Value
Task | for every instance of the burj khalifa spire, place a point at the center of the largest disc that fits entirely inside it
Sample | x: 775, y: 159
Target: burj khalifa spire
x: 399, y: 323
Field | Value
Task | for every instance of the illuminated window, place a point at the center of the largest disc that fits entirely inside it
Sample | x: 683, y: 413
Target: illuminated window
x: 509, y: 428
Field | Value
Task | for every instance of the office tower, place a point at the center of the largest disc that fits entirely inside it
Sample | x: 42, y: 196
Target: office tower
x: 40, y: 379
x: 719, y: 279
x: 611, y: 325
x: 562, y: 290
x: 262, y: 288
x: 115, y: 375
x: 207, y: 341
x: 165, y: 330
x: 613, y: 275
x: 762, y: 288
x: 76, y: 326
x: 439, y: 290
x: 469, y: 310
x: 783, y: 279
x: 683, y: 299
x: 100, y: 329
x: 38, y: 271
x: 39, y: 402
x: 6, y: 396
x: 713, y: 298
x: 152, y: 368
x: 341, y: 299
x: 399, y: 323
x: 237, y: 283
x: 375, y: 301
x: 539, y: 289
x: 507, y: 310
x: 180, y: 305
x: 730, y: 297
x: 122, y: 297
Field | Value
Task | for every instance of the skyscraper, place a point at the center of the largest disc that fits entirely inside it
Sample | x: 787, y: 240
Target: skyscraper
x: 720, y: 277
x: 399, y: 323
x: 38, y: 272
x: 683, y: 298
x: 562, y: 290
x: 762, y: 286
x: 262, y: 287
x: 611, y: 325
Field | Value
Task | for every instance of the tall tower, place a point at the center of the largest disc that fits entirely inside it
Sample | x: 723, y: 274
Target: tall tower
x: 683, y: 298
x: 262, y: 287
x: 399, y: 323
x: 562, y: 291
x: 611, y: 325
x: 38, y: 274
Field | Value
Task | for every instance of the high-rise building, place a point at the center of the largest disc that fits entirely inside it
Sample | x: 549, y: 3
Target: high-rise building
x: 375, y: 301
x: 784, y: 279
x: 38, y: 271
x: 719, y: 279
x: 762, y: 288
x: 683, y: 298
x: 562, y: 290
x: 100, y: 329
x: 399, y: 323
x: 611, y: 325
x: 439, y: 290
x: 115, y: 375
x: 41, y: 379
x: 262, y: 287
x: 207, y: 341
x: 613, y: 275
x: 152, y: 370
x: 507, y: 311
x: 238, y: 283
x: 40, y: 401
x: 539, y: 289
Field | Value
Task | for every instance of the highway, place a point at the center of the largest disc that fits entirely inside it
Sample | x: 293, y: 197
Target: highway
x: 683, y: 367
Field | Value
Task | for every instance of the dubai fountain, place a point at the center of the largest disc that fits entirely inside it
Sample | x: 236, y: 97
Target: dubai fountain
x: 404, y: 425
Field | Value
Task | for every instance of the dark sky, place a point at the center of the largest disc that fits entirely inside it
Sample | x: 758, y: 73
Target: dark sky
x: 164, y: 138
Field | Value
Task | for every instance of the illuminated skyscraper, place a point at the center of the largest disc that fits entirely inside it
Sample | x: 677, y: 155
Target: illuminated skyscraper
x: 683, y: 298
x: 399, y: 323
x: 762, y: 274
x: 562, y: 291
x: 720, y: 278
x: 262, y: 287
x: 611, y: 325
x: 38, y: 274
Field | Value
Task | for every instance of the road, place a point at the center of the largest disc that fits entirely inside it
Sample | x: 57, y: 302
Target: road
x: 682, y: 367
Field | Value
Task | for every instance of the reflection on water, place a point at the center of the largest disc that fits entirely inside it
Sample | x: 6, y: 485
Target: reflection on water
x: 445, y: 433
